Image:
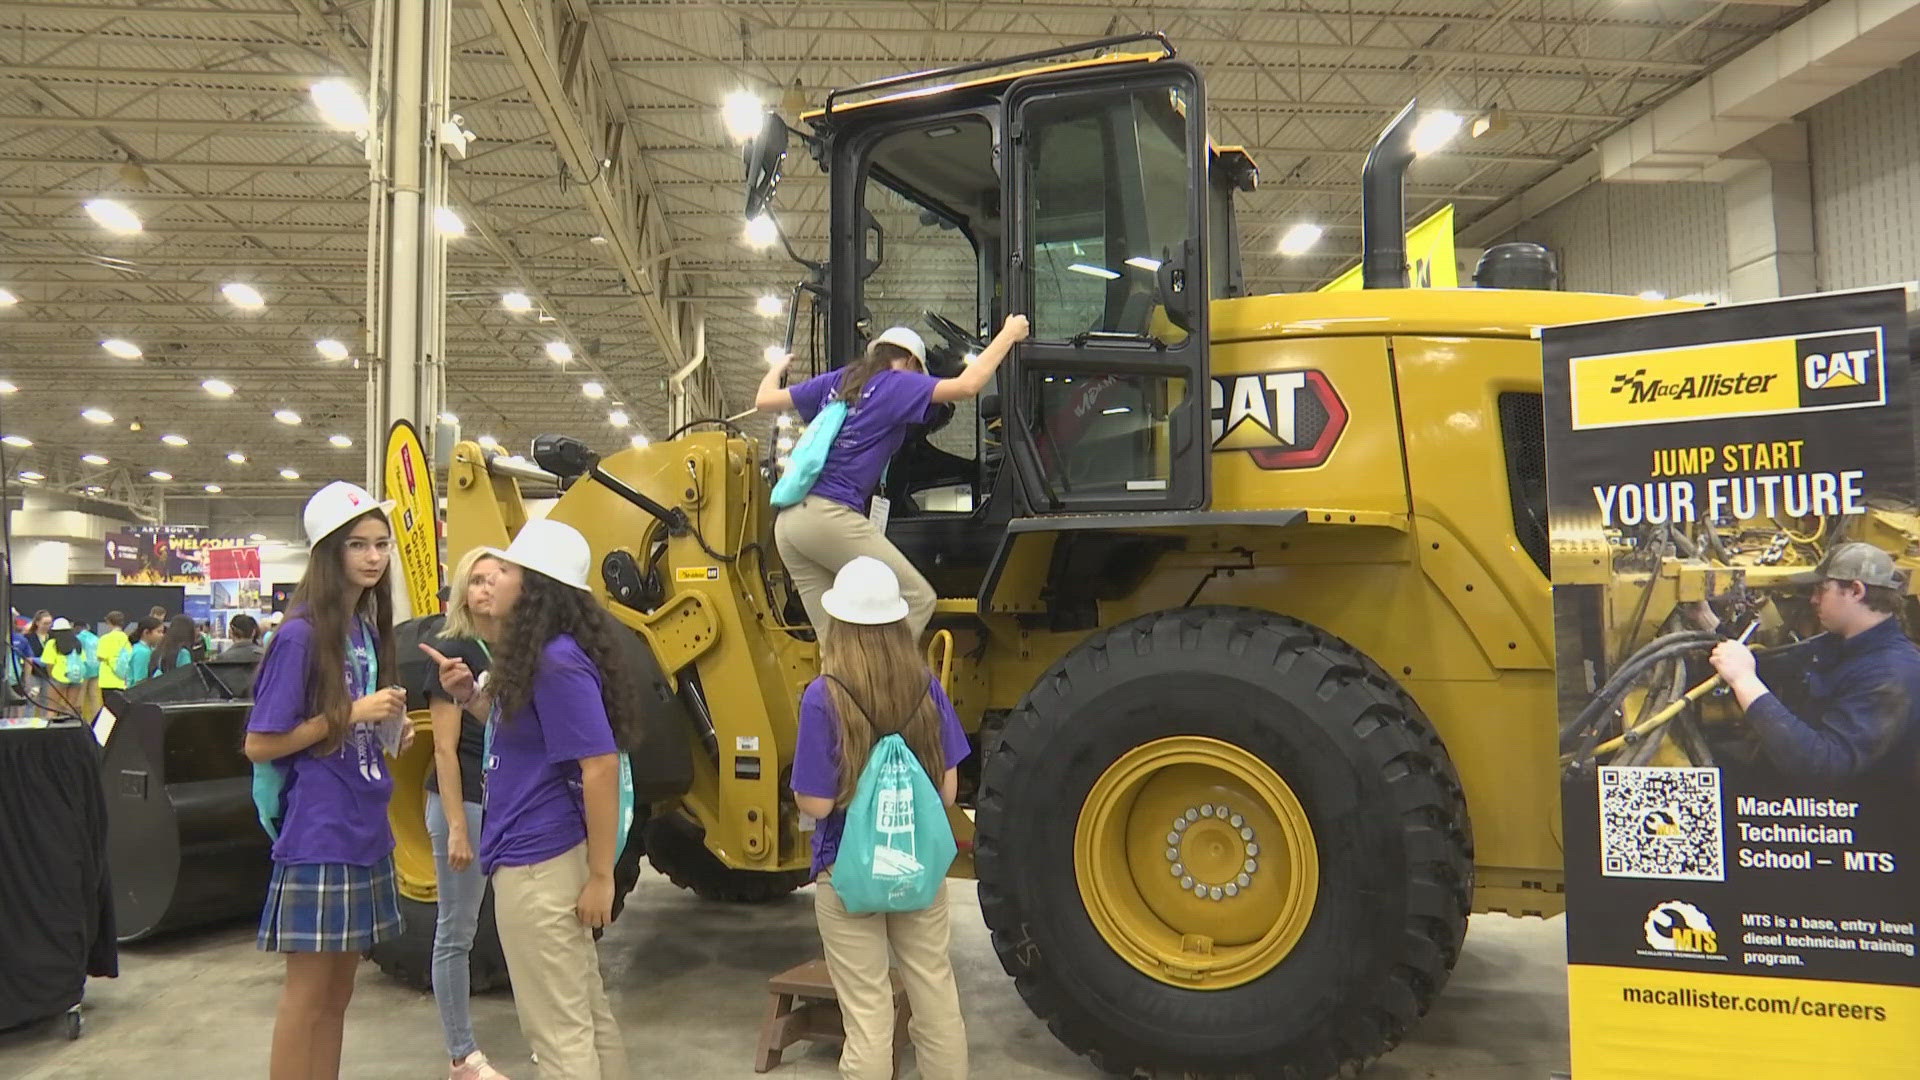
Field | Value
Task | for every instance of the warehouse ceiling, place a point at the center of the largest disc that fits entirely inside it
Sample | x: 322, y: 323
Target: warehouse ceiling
x: 197, y: 116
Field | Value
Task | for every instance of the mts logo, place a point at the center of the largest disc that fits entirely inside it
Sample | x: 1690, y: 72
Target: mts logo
x: 1282, y: 419
x: 1870, y: 862
x: 1833, y: 371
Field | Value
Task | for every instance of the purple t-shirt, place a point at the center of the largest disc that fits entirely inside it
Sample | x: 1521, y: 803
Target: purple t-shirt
x: 535, y: 806
x: 335, y: 806
x: 872, y: 432
x: 816, y: 759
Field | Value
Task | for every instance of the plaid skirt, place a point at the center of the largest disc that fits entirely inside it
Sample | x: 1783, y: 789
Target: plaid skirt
x: 330, y: 907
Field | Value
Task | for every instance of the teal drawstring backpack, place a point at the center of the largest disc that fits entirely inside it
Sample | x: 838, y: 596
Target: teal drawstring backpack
x: 897, y: 845
x: 809, y: 455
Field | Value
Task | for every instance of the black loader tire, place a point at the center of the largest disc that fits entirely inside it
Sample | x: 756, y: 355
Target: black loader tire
x: 408, y: 959
x: 1389, y: 821
x: 677, y: 847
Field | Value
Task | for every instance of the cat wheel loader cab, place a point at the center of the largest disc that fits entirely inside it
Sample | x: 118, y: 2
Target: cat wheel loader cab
x: 1243, y: 599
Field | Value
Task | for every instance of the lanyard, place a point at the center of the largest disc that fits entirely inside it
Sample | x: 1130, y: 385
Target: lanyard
x: 360, y: 659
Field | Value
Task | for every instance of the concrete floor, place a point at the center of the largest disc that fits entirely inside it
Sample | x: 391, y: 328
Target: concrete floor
x: 687, y: 982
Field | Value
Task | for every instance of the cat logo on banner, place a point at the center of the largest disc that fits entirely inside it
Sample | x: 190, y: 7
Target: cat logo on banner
x: 1430, y: 257
x: 416, y: 530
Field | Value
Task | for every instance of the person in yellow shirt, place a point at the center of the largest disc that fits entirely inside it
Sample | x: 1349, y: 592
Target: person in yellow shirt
x: 66, y: 665
x: 111, y: 644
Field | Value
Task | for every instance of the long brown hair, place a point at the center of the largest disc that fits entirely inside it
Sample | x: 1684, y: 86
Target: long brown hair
x: 878, y: 358
x: 181, y: 635
x: 879, y: 685
x: 318, y: 601
x: 545, y: 610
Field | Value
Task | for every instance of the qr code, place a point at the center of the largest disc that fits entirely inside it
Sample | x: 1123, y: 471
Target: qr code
x: 1661, y: 823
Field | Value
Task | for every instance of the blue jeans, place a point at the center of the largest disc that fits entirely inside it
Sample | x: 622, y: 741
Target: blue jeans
x: 460, y: 894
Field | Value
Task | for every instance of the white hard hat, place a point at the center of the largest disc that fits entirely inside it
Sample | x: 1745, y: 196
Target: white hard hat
x: 553, y: 548
x: 61, y: 623
x: 865, y: 591
x: 335, y: 505
x: 907, y: 340
x: 276, y: 618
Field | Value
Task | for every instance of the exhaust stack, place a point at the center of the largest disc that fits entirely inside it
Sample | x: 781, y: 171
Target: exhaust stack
x: 1383, y: 205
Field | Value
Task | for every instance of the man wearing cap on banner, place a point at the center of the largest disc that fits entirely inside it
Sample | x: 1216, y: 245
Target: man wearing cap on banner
x: 1862, y: 685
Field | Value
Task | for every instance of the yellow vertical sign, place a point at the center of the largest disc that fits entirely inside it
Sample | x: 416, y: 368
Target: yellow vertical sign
x: 1430, y: 257
x: 409, y: 483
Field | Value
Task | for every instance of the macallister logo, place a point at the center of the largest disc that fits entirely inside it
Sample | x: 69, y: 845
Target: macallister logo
x: 1640, y: 387
x: 1842, y: 369
x: 1675, y: 928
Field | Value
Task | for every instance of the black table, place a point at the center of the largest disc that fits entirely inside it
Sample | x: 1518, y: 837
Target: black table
x: 56, y: 902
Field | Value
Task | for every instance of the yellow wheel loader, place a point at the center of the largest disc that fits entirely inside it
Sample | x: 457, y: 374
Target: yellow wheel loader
x: 1243, y: 598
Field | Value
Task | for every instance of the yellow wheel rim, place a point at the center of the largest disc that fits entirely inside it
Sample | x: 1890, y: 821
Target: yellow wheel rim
x: 407, y: 813
x: 1196, y: 862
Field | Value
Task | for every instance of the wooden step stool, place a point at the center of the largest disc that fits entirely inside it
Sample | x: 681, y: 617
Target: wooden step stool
x: 803, y: 1006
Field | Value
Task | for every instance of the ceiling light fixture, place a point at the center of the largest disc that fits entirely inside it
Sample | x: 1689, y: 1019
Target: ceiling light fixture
x: 489, y: 441
x: 596, y: 238
x: 113, y: 216
x: 96, y: 416
x: 94, y: 489
x: 242, y: 295
x: 341, y: 441
x: 161, y: 475
x: 330, y: 349
x: 217, y: 387
x: 18, y: 442
x: 341, y: 105
x: 770, y: 306
x: 174, y: 440
x: 1300, y: 238
x: 762, y: 233
x: 619, y: 418
x: 213, y: 489
x: 640, y: 442
x: 257, y: 537
x: 287, y: 416
x: 8, y: 388
x: 237, y: 458
x: 448, y: 418
x: 1435, y: 130
x: 289, y: 474
x: 742, y: 113
x: 516, y: 302
x: 122, y: 348
x: 29, y: 474
x: 448, y: 222
x: 559, y: 352
x: 593, y: 390
x: 96, y: 460
x: 7, y: 299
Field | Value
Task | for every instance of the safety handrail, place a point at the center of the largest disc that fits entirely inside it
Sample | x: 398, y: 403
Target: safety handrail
x: 892, y: 81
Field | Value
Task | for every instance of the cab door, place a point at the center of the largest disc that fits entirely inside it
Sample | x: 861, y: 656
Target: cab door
x: 1105, y: 403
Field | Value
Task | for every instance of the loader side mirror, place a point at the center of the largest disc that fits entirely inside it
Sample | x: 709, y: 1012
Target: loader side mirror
x: 762, y: 157
x: 563, y: 456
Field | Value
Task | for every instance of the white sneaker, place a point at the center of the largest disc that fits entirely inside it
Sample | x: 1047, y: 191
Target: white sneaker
x: 475, y: 1067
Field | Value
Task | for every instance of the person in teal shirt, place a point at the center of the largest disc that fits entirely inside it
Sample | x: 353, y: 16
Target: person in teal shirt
x: 138, y: 657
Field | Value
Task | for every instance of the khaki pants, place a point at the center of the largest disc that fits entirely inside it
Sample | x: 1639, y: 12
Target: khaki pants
x: 555, y: 970
x: 857, y: 948
x: 817, y: 537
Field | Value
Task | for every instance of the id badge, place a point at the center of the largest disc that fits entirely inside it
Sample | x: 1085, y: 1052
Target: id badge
x: 878, y: 514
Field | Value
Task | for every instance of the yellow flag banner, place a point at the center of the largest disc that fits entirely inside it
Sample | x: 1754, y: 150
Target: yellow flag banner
x: 1429, y: 257
x: 409, y: 483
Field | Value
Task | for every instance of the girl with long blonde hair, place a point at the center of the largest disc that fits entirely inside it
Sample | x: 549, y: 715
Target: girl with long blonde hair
x: 874, y: 683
